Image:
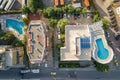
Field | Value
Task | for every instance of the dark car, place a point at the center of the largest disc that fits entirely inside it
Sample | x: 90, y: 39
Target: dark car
x: 75, y: 16
x: 108, y: 8
x: 78, y: 15
x: 111, y: 14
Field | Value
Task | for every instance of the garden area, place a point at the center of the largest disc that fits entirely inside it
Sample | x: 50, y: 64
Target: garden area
x: 101, y: 67
x: 7, y: 38
x: 69, y: 65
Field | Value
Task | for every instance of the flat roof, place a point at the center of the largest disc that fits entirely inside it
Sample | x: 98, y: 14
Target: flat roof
x: 36, y: 41
x: 76, y: 5
x: 116, y: 10
x: 14, y: 56
x: 72, y: 50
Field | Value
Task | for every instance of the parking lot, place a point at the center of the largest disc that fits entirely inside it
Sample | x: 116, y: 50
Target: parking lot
x: 80, y: 19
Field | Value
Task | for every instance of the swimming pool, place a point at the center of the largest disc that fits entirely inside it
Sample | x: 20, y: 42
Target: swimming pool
x: 18, y: 26
x: 102, y: 52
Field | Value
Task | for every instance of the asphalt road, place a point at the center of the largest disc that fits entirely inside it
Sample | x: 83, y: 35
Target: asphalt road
x: 67, y: 74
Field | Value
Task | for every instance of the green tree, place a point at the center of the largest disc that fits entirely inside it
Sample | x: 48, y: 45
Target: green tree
x: 62, y: 36
x: 78, y: 10
x: 101, y: 67
x: 49, y: 12
x: 34, y: 5
x: 7, y: 37
x: 105, y: 23
x: 61, y: 24
x: 96, y: 18
x: 59, y: 45
x: 26, y: 21
x: 70, y: 9
x: 84, y: 10
x: 52, y: 22
x: 25, y: 10
x: 39, y: 11
x: 65, y: 9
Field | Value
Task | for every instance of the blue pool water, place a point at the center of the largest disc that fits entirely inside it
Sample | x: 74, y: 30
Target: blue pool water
x: 10, y: 23
x: 102, y: 52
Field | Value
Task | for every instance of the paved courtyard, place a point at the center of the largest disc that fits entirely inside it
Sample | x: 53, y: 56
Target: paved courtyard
x: 81, y: 20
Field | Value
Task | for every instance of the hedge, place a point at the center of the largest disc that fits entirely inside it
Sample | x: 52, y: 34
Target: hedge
x: 11, y: 12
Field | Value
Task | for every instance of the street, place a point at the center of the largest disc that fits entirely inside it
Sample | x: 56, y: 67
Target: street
x: 68, y: 74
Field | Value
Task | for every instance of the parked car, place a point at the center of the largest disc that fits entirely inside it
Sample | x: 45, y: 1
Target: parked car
x: 75, y: 16
x: 68, y: 16
x: 110, y: 10
x: 78, y: 15
x: 85, y: 15
x: 58, y: 30
x: 111, y: 14
x: 112, y: 17
x: 58, y: 36
x: 108, y: 34
x: 46, y: 65
x: 88, y: 15
x: 64, y: 15
x: 113, y: 20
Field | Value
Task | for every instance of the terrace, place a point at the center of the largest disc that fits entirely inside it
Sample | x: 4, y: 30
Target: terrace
x: 36, y: 41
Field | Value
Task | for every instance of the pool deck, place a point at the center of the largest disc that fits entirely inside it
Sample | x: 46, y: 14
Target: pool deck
x: 110, y: 57
x: 17, y: 17
x: 98, y: 33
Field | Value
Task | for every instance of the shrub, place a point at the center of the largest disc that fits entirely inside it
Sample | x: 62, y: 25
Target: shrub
x: 26, y: 21
x: 11, y: 12
x: 25, y: 10
x: 101, y: 67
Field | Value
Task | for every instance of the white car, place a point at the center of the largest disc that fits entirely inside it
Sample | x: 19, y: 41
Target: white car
x: 65, y: 16
x: 58, y: 30
x: 35, y: 70
x: 58, y: 36
x: 46, y: 64
x: 108, y: 34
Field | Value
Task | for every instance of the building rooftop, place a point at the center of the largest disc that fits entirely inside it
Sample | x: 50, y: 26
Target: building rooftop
x: 10, y: 56
x: 14, y: 56
x: 81, y: 43
x: 36, y: 41
x: 73, y: 49
x: 116, y: 10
